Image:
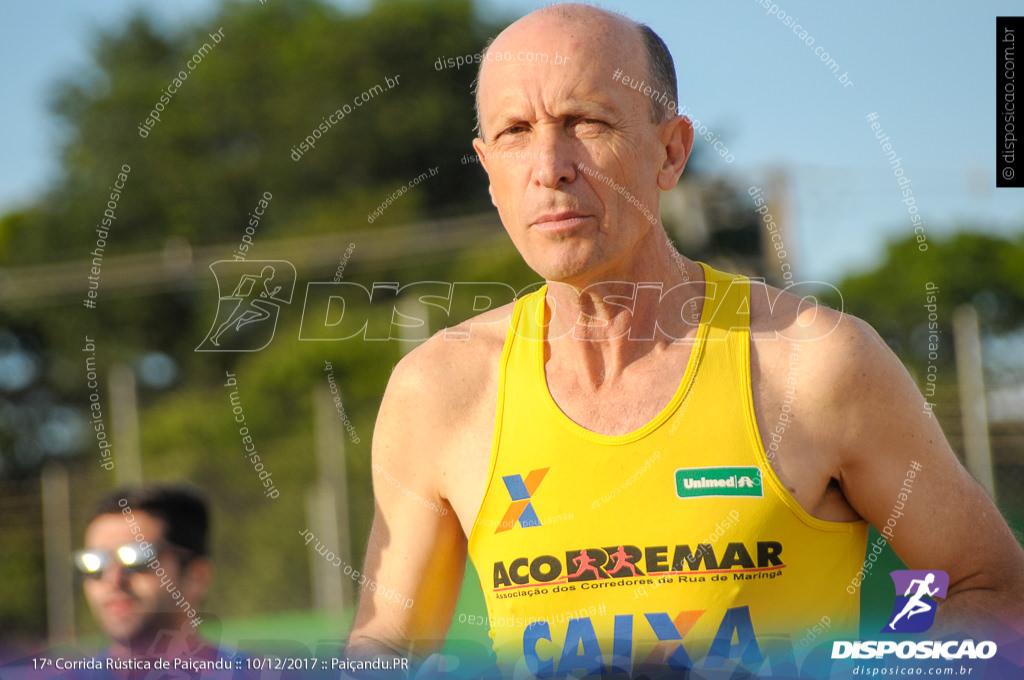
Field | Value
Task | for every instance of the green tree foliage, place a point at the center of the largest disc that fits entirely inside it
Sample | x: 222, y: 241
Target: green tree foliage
x: 966, y: 267
x: 226, y: 134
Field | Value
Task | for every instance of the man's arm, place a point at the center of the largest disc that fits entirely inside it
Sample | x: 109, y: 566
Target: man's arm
x: 885, y: 444
x: 417, y: 551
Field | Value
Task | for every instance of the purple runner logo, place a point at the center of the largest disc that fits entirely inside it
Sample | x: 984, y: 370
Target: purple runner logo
x: 914, y: 611
x: 247, y: 317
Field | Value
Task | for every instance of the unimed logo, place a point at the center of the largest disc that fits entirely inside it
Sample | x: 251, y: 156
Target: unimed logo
x: 719, y: 481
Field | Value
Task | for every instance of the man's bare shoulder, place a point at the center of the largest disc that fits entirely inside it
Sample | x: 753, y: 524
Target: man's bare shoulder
x: 450, y: 374
x: 785, y: 318
x: 845, y: 368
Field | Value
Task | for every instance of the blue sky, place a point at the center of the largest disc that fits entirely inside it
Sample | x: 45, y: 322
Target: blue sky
x: 926, y: 68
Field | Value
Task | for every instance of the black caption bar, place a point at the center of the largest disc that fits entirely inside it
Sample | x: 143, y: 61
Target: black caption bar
x: 1009, y: 159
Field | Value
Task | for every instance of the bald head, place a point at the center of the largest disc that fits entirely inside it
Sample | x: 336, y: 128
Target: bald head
x: 591, y: 31
x: 576, y: 139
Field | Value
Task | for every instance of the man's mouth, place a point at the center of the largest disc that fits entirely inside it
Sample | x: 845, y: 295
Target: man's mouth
x: 564, y: 220
x: 120, y: 605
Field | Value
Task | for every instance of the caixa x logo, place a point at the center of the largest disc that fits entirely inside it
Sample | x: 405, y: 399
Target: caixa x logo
x: 520, y: 491
x: 914, y: 610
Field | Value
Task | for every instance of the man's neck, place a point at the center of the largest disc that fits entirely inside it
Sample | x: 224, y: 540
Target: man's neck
x: 165, y: 644
x: 604, y: 323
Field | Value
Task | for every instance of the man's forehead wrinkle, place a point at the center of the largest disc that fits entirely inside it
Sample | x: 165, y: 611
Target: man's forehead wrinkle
x: 565, y: 100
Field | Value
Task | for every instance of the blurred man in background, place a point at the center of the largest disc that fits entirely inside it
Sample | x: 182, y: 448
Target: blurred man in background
x: 147, y: 571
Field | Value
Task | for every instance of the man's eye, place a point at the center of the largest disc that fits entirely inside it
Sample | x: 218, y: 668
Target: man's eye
x: 589, y: 126
x: 513, y: 130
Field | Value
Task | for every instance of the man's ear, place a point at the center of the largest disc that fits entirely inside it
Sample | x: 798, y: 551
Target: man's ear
x: 481, y: 152
x: 195, y: 580
x: 677, y: 137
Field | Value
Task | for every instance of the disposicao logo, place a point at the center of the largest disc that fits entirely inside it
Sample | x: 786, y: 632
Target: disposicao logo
x: 719, y: 481
x: 914, y: 612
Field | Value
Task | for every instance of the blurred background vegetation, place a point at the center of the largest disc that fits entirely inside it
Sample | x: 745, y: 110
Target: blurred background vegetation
x: 225, y: 138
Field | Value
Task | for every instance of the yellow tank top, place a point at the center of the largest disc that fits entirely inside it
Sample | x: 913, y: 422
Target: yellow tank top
x: 671, y: 547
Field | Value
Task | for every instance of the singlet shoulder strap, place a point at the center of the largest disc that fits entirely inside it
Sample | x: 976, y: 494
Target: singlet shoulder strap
x: 728, y: 299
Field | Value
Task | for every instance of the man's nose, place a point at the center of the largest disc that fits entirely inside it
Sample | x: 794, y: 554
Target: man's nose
x: 555, y: 163
x: 115, y: 574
